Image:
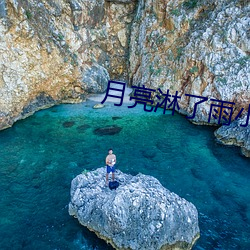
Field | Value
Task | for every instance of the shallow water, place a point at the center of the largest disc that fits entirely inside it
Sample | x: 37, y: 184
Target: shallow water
x: 39, y: 156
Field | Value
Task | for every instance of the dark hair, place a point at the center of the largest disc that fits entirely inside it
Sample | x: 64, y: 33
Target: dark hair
x: 110, y: 149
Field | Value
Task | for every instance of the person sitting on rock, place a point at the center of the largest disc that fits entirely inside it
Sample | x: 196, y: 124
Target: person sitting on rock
x: 110, y: 161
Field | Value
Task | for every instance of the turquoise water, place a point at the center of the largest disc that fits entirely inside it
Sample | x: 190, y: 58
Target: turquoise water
x: 39, y: 156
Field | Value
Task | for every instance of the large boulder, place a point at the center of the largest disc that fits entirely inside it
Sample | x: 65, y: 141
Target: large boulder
x: 139, y: 214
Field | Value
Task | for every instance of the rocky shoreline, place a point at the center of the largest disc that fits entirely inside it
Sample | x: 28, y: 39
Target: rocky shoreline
x: 234, y: 134
x: 60, y: 52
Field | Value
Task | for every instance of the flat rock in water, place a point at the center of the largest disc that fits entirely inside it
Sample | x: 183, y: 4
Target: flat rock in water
x: 98, y: 106
x: 139, y: 214
x: 108, y: 130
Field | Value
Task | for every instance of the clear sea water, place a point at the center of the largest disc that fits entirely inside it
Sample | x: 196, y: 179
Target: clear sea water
x: 39, y: 156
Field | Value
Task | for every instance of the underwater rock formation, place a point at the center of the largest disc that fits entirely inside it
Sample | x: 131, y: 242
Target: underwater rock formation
x: 108, y: 130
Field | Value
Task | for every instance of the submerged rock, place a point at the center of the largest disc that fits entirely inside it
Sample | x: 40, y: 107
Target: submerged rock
x: 82, y: 128
x: 108, y: 130
x: 116, y: 118
x: 68, y: 124
x: 140, y: 214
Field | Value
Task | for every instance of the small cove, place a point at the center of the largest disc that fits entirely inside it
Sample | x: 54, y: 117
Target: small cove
x: 39, y: 156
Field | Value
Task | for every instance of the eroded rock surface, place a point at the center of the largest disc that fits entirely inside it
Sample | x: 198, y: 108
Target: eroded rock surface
x: 234, y: 134
x: 59, y: 51
x: 140, y: 214
x: 198, y: 48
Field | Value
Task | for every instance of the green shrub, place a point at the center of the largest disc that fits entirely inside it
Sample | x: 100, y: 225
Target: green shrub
x: 222, y: 80
x: 161, y: 40
x: 60, y: 37
x: 190, y: 4
x: 175, y: 12
x: 243, y: 60
x: 179, y: 53
x: 74, y: 60
x: 194, y: 69
x: 158, y: 71
x: 151, y: 69
x: 28, y: 14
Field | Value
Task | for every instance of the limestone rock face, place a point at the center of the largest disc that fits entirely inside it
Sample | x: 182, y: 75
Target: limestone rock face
x: 139, y: 214
x: 95, y: 79
x: 200, y: 49
x: 193, y: 47
x: 234, y: 134
x: 59, y: 51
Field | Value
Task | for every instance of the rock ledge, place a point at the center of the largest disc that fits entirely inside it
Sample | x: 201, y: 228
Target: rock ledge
x: 234, y: 134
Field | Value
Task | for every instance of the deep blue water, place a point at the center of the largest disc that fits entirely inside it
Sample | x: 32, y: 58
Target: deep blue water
x: 39, y: 156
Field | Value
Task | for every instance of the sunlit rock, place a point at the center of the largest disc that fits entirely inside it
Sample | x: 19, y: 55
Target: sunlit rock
x: 139, y: 214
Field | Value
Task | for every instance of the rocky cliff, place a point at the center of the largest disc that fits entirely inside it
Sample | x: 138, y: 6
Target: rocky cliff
x: 60, y: 51
x: 140, y: 214
x: 195, y: 47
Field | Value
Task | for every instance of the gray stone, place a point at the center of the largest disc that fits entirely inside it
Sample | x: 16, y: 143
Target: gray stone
x: 74, y: 5
x: 2, y: 8
x: 98, y: 106
x: 41, y: 101
x: 95, y: 79
x: 140, y: 214
x: 234, y: 134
